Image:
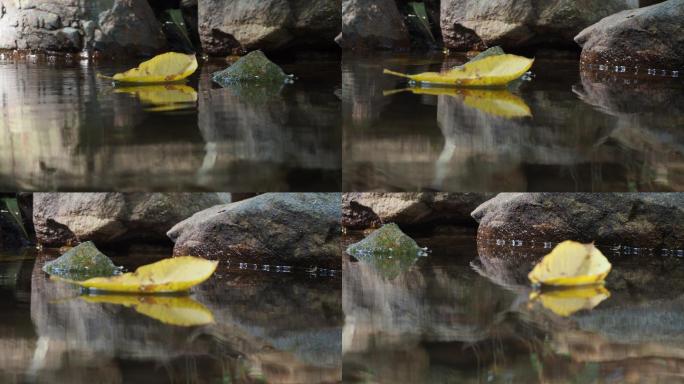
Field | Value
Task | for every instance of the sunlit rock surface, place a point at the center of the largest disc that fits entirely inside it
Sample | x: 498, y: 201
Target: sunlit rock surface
x: 114, y: 218
x: 301, y: 229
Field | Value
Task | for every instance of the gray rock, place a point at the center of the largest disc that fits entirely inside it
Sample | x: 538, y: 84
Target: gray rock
x: 470, y: 24
x: 82, y: 262
x: 117, y: 26
x: 372, y: 25
x: 365, y: 210
x: 634, y: 219
x: 298, y: 229
x: 650, y: 36
x: 235, y: 25
x: 113, y: 219
x: 253, y: 68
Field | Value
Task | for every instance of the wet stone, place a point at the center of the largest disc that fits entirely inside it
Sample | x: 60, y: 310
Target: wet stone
x: 389, y: 250
x: 82, y: 262
x: 255, y: 68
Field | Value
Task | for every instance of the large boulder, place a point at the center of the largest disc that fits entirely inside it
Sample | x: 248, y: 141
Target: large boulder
x: 297, y: 229
x: 645, y: 220
x: 469, y: 24
x: 364, y: 210
x: 650, y: 36
x: 371, y: 25
x: 105, y: 25
x: 113, y: 219
x: 271, y: 25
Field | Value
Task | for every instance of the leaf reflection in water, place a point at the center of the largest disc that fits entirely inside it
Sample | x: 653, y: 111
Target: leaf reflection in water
x: 565, y: 302
x: 496, y: 102
x: 174, y: 310
x: 160, y: 97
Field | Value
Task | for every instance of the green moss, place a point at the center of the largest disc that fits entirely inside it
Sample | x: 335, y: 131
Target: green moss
x: 493, y: 51
x: 81, y: 263
x: 388, y: 249
x: 255, y: 68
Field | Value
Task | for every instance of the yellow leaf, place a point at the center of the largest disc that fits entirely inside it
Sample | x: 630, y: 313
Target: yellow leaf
x: 565, y: 302
x: 164, y: 68
x: 174, y: 310
x: 497, y: 102
x: 169, y: 275
x: 571, y: 263
x: 492, y: 71
x: 166, y: 97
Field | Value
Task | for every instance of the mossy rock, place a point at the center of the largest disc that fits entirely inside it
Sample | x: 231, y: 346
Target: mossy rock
x: 81, y: 263
x: 253, y: 68
x: 389, y: 250
x: 493, y: 51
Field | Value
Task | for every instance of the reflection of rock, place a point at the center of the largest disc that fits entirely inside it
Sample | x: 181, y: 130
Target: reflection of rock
x: 375, y: 24
x: 635, y: 219
x: 113, y: 218
x: 270, y: 25
x: 648, y: 36
x: 519, y: 23
x: 364, y: 210
x: 292, y: 228
x: 120, y: 26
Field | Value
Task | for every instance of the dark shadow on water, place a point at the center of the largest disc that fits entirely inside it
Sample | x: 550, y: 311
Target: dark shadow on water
x: 463, y: 314
x: 267, y: 327
x: 63, y: 128
x: 585, y: 131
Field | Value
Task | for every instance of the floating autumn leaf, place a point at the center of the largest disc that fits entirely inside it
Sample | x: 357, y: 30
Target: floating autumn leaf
x: 571, y: 263
x: 175, y: 310
x: 164, y: 68
x: 565, y: 302
x: 164, y: 97
x: 491, y: 71
x: 497, y: 102
x: 169, y: 275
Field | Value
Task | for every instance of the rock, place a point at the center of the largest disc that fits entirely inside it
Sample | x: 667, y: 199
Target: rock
x: 389, y: 250
x: 255, y: 67
x: 372, y: 25
x: 652, y: 220
x: 650, y: 36
x: 298, y: 229
x: 114, y: 26
x: 82, y: 262
x: 113, y: 219
x: 471, y: 24
x: 365, y: 210
x: 272, y: 25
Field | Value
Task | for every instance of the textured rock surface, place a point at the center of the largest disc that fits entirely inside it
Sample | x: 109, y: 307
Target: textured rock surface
x: 255, y: 67
x: 364, y: 210
x: 271, y: 25
x: 372, y: 24
x: 106, y: 25
x: 113, y: 219
x: 300, y: 229
x: 634, y: 219
x: 467, y: 24
x: 82, y: 262
x: 649, y: 36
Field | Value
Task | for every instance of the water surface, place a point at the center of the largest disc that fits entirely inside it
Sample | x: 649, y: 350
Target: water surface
x: 594, y: 129
x: 464, y: 314
x: 63, y: 128
x: 268, y: 327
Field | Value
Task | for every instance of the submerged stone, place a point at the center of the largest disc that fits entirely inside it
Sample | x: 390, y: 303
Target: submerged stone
x: 388, y: 249
x: 255, y: 67
x: 493, y: 51
x: 81, y: 263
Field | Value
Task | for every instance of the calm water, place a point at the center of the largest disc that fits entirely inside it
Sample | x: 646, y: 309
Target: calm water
x: 565, y: 130
x: 464, y: 315
x: 268, y: 327
x: 63, y: 128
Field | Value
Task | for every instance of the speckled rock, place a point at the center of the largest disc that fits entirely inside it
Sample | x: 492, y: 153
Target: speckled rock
x: 82, y: 262
x: 297, y: 229
x: 372, y: 25
x: 254, y: 67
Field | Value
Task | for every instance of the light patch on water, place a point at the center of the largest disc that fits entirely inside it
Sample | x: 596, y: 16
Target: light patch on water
x: 616, y: 250
x: 657, y: 72
x: 314, y: 271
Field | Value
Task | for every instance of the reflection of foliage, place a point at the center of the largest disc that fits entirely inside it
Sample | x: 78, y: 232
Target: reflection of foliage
x: 565, y: 302
x: 174, y: 310
x: 166, y: 97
